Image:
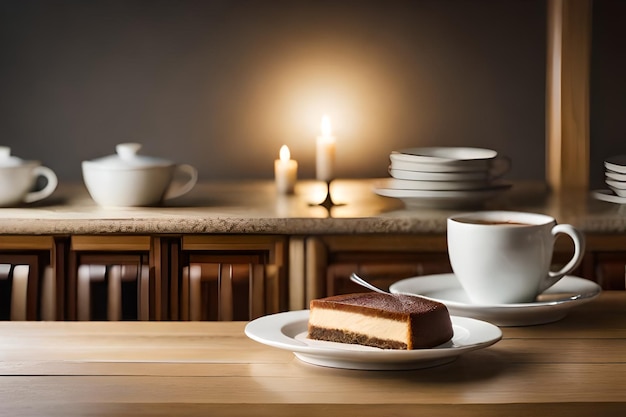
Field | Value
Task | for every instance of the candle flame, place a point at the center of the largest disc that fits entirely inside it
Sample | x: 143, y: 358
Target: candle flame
x: 326, y: 126
x: 285, y: 155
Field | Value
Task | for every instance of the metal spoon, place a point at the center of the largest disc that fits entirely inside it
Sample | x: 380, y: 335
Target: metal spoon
x: 355, y: 278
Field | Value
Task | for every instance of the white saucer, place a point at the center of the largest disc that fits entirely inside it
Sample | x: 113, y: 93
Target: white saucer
x: 550, y: 306
x: 616, y: 163
x: 288, y: 331
x: 616, y: 176
x: 439, y: 198
x: 425, y: 185
x: 446, y: 154
x: 402, y: 174
x: 404, y: 162
x: 609, y: 196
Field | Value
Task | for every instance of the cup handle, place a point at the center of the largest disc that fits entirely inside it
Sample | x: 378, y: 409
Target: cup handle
x: 579, y: 250
x: 51, y: 185
x: 177, y: 189
x: 500, y: 166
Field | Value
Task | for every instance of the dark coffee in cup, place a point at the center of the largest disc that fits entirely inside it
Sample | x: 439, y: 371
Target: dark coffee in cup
x: 494, y: 223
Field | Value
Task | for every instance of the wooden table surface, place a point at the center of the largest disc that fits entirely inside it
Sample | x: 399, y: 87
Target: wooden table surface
x: 576, y: 366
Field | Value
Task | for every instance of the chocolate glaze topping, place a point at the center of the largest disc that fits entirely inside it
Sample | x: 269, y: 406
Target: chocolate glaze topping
x: 397, y: 303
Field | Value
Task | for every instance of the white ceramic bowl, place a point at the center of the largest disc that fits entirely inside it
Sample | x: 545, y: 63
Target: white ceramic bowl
x: 127, y: 179
x: 615, y: 176
x: 446, y: 154
x: 450, y: 160
x: 616, y: 164
x: 618, y: 187
x: 402, y: 174
x: 19, y: 177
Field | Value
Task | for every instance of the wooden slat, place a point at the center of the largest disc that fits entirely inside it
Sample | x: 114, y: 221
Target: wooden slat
x: 171, y: 275
x: 114, y: 305
x: 297, y: 264
x: 201, y: 408
x: 124, y: 243
x: 48, y: 295
x: 434, y: 242
x: 275, y: 283
x: 184, y: 294
x: 274, y: 246
x: 82, y: 291
x: 225, y: 299
x: 195, y: 292
x: 16, y: 242
x: 158, y: 261
x: 59, y: 260
x: 256, y: 302
x: 19, y: 292
x: 317, y: 261
x: 143, y: 294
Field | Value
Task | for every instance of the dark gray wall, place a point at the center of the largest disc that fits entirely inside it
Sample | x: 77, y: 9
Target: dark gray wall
x: 223, y: 84
x: 608, y: 85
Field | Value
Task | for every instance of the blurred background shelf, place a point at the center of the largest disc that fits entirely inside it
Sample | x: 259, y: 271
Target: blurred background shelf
x: 236, y: 250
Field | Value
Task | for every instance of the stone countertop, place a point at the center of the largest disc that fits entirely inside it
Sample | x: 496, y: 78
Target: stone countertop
x: 255, y: 207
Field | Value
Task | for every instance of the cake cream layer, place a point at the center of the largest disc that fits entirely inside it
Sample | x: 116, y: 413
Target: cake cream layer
x: 381, y: 328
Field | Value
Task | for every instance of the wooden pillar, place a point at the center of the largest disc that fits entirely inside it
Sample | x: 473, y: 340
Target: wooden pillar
x: 567, y: 98
x: 297, y: 273
x: 316, y: 269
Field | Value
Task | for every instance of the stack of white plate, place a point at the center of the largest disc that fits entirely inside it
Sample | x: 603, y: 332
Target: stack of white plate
x: 615, y: 178
x: 444, y: 176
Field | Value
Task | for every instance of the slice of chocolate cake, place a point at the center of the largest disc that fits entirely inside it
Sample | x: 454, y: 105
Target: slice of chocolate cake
x: 381, y: 320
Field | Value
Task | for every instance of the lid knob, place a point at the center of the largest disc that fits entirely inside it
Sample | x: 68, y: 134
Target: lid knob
x: 5, y: 152
x: 127, y: 150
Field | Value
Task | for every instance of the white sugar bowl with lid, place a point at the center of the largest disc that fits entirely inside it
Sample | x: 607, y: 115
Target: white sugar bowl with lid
x: 127, y: 179
x: 18, y: 178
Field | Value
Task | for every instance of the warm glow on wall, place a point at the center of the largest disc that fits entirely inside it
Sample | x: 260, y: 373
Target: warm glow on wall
x: 222, y: 85
x: 326, y: 127
x: 359, y: 99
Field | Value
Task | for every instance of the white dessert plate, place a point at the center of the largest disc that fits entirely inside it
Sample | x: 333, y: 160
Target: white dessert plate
x: 288, y: 331
x: 439, y: 198
x: 550, y: 306
x: 609, y: 196
x: 616, y: 164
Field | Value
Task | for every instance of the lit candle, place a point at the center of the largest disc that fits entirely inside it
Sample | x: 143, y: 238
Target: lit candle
x: 325, y: 156
x: 285, y: 171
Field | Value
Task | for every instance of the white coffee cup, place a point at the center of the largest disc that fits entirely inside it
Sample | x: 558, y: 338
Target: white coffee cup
x: 18, y: 178
x: 504, y: 257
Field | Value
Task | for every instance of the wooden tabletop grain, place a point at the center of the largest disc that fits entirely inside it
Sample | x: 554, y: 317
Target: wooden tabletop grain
x: 576, y: 366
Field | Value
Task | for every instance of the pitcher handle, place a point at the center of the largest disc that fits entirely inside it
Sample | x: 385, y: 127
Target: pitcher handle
x: 176, y: 189
x: 51, y: 185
